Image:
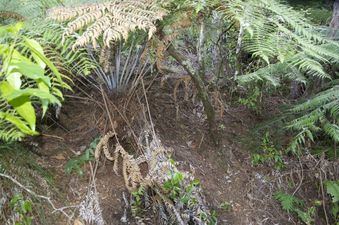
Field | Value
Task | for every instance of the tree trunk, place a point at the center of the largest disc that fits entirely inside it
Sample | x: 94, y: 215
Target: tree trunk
x: 201, y: 51
x: 202, y: 90
x: 334, y: 25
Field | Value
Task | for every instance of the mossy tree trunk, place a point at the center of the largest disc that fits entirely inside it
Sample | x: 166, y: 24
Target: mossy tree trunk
x: 200, y: 85
x: 334, y: 24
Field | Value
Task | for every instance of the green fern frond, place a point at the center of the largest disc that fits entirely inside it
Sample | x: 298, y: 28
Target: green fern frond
x: 318, y: 114
x: 278, y: 34
x: 273, y: 74
x: 288, y: 202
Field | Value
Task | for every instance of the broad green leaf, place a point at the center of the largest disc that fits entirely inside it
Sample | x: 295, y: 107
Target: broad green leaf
x: 3, y: 48
x: 25, y: 109
x: 11, y: 29
x: 18, y: 123
x: 6, y: 89
x: 21, y: 103
x: 14, y: 79
x: 38, y: 48
x: 15, y: 28
x: 33, y: 92
x: 332, y: 188
x: 42, y: 86
x: 48, y: 63
x: 32, y: 71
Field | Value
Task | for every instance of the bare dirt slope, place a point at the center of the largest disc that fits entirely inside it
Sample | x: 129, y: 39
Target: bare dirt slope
x: 224, y: 171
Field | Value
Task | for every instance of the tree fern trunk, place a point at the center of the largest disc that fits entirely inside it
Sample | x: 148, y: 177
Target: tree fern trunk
x: 202, y: 90
x: 334, y: 25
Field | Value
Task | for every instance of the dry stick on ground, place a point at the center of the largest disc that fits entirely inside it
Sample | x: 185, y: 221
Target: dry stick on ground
x: 301, y: 179
x: 109, y: 113
x: 123, y: 117
x: 148, y: 109
x: 55, y: 209
x: 322, y: 187
x: 86, y: 99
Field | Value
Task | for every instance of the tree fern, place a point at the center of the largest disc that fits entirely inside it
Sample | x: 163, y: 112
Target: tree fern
x: 278, y: 34
x: 319, y: 114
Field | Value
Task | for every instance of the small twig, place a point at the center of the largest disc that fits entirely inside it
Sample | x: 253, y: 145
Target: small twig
x: 109, y: 114
x: 323, y: 194
x: 302, y: 177
x: 202, y: 139
x: 55, y: 209
x: 53, y: 136
x: 85, y: 99
x: 148, y: 108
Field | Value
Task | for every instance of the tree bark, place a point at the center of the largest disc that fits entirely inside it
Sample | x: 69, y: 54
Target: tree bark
x: 201, y: 50
x: 334, y: 24
x: 202, y: 90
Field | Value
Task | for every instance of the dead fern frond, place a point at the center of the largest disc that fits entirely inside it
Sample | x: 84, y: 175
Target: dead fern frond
x: 160, y: 169
x: 112, y: 20
x: 171, y: 32
x: 103, y: 146
x: 11, y: 15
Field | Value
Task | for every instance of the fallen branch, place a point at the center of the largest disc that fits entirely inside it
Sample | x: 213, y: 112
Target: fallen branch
x: 55, y: 209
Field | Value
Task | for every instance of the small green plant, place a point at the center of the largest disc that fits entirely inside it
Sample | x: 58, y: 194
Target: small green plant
x: 268, y: 154
x: 211, y: 219
x: 332, y: 188
x: 23, y: 209
x: 173, y: 186
x: 227, y: 206
x: 137, y: 203
x: 183, y: 193
x: 292, y: 204
x: 77, y: 163
x: 186, y: 197
x: 27, y: 79
x: 253, y: 99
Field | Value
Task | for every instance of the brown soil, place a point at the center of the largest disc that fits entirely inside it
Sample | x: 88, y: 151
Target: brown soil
x: 225, y: 171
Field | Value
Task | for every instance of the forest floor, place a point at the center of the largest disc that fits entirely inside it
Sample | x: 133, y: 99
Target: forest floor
x: 237, y: 191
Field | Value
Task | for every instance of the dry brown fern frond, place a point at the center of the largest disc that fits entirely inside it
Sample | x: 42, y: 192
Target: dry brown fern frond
x: 103, y: 146
x: 160, y: 169
x: 172, y: 31
x: 112, y: 20
x: 156, y: 159
x: 11, y: 15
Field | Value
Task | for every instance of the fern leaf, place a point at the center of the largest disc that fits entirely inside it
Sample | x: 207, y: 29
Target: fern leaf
x: 288, y: 202
x: 112, y: 20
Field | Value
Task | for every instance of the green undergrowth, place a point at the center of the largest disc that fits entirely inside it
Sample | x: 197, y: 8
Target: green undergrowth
x: 17, y: 206
x: 18, y: 161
